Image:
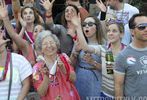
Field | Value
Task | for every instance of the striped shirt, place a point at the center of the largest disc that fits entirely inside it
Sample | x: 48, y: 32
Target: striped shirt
x: 21, y: 70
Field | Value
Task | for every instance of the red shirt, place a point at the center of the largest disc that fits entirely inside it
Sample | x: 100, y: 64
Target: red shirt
x: 8, y: 2
x: 58, y: 87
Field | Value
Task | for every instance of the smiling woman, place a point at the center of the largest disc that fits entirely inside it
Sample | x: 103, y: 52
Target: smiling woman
x: 53, y: 76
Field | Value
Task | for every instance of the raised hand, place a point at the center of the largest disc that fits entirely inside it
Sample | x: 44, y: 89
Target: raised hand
x: 101, y: 5
x: 47, y: 4
x: 22, y: 22
x: 88, y: 58
x: 2, y: 42
x: 44, y: 71
x: 76, y: 20
x: 3, y: 9
x: 60, y: 63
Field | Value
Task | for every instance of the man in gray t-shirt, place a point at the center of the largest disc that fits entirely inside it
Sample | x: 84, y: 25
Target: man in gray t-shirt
x: 131, y: 64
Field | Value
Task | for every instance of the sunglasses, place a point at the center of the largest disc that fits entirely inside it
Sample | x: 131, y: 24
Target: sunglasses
x: 90, y: 24
x: 141, y: 26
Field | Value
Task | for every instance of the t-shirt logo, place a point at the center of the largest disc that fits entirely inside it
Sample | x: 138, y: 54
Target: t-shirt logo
x: 131, y: 60
x: 143, y: 61
x: 123, y: 16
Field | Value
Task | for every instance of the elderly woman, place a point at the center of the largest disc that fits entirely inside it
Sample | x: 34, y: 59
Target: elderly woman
x: 53, y: 75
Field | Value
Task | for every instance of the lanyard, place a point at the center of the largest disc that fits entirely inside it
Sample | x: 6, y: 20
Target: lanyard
x: 7, y: 63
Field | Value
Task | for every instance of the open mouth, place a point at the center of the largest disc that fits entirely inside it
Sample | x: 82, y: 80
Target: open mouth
x: 86, y: 31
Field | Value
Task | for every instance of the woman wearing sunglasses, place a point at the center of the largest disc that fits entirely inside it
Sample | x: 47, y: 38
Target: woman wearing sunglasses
x: 114, y: 34
x: 88, y: 66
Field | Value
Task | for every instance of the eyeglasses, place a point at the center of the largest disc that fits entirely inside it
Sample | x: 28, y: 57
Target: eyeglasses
x: 89, y: 24
x: 141, y: 27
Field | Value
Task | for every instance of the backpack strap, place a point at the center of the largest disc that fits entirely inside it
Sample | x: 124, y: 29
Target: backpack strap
x: 7, y: 63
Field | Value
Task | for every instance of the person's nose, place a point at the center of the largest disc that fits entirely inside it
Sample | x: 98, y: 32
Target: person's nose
x: 110, y: 33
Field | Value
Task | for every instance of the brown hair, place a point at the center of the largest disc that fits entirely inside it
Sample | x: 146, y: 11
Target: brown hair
x: 99, y: 30
x: 36, y: 15
x: 63, y: 20
x: 119, y: 25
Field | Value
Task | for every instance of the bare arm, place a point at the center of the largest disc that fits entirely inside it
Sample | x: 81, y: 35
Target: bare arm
x: 81, y: 39
x: 16, y: 8
x: 25, y: 88
x: 42, y: 89
x: 22, y: 44
x: 23, y: 24
x: 119, y: 82
x: 21, y: 33
x: 75, y: 52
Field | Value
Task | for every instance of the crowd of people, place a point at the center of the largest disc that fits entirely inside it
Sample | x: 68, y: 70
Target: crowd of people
x: 79, y: 54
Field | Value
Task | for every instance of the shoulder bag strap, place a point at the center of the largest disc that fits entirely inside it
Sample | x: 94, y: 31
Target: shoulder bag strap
x: 67, y: 66
x: 11, y: 73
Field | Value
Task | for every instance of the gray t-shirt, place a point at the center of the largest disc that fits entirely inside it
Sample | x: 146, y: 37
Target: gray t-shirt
x: 132, y: 62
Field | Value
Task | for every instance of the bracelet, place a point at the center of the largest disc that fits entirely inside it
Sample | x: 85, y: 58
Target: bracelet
x: 74, y: 37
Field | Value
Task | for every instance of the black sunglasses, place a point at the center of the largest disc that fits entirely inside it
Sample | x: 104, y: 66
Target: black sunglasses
x: 141, y: 26
x: 89, y: 24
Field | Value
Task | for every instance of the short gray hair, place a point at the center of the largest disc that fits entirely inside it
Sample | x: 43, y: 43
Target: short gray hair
x: 41, y: 36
